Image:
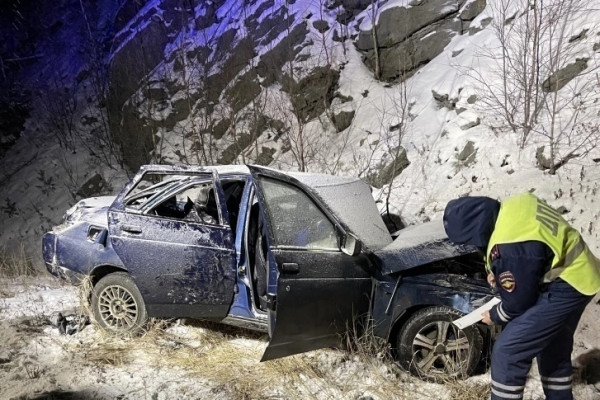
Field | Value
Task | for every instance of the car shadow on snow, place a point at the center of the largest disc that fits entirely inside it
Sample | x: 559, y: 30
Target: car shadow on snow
x: 589, y: 366
x: 225, y: 330
x: 60, y: 394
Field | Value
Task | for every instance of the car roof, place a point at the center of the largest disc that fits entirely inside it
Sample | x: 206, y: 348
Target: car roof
x: 221, y: 169
x: 349, y: 198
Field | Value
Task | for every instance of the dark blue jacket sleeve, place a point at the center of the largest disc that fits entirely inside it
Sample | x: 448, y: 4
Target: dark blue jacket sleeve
x: 519, y: 269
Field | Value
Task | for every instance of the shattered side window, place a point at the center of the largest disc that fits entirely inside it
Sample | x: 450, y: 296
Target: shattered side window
x: 151, y: 184
x: 295, y: 219
x: 195, y: 202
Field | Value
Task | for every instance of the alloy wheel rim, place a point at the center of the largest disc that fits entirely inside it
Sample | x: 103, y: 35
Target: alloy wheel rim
x: 118, y: 308
x: 440, y: 348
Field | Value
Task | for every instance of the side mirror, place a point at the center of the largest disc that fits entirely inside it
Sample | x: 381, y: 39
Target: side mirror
x: 351, y: 245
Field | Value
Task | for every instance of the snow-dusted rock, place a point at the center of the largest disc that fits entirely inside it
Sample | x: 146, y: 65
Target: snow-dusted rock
x: 410, y: 34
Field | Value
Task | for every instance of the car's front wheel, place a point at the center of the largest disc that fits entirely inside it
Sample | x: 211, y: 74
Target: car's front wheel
x: 431, y: 347
x: 117, y: 304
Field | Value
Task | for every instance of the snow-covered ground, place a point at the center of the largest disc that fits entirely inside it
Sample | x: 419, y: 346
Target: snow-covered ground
x: 197, y: 360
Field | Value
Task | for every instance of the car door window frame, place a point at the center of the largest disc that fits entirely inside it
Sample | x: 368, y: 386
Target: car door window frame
x: 190, y: 180
x: 180, y: 189
x: 274, y: 244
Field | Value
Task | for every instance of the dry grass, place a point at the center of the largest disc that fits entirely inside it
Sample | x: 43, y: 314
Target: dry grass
x: 462, y: 390
x: 236, y: 366
x: 108, y: 349
x: 215, y: 353
x: 374, y: 355
x: 16, y: 263
x: 227, y: 359
x: 115, y: 353
x: 360, y: 341
x: 84, y: 291
x: 365, y: 368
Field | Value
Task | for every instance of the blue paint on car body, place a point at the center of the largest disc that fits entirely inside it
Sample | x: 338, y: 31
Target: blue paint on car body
x: 194, y: 259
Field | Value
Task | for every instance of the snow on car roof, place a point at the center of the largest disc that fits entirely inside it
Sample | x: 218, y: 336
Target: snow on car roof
x: 221, y: 169
x: 321, y: 180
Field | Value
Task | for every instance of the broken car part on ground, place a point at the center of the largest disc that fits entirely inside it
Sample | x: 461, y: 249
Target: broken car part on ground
x: 300, y: 256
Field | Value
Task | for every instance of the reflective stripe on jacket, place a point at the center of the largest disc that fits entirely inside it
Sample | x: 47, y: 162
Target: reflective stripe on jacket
x: 525, y: 217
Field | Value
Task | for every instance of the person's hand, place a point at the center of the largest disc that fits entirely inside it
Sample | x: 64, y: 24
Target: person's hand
x: 491, y: 280
x: 486, y: 318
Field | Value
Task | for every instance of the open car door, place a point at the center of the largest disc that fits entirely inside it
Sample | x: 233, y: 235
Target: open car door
x: 315, y: 291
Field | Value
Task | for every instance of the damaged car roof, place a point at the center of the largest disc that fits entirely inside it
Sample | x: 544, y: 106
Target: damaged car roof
x: 349, y: 198
x: 418, y: 245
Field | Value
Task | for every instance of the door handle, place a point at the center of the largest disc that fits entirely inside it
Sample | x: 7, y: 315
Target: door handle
x: 290, y: 267
x: 131, y: 229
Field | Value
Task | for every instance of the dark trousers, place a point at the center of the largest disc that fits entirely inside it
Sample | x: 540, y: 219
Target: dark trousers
x: 544, y: 331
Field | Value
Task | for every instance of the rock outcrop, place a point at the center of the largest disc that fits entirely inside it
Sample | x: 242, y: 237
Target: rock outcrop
x: 560, y: 78
x: 173, y: 62
x: 411, y: 36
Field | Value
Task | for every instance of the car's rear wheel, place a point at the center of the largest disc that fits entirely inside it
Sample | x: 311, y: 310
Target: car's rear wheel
x: 117, y: 304
x: 431, y: 347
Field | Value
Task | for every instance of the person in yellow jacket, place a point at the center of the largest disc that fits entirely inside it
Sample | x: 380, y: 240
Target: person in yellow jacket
x: 545, y: 274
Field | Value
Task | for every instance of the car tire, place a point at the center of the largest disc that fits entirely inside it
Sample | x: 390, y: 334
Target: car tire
x: 431, y: 347
x: 117, y: 304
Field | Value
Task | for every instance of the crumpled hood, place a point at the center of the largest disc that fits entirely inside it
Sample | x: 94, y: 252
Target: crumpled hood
x: 418, y: 245
x: 93, y: 210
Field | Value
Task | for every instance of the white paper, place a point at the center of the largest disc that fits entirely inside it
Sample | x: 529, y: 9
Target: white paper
x: 475, y: 316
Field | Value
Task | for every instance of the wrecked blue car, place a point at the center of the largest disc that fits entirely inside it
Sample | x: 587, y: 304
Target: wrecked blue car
x: 304, y: 257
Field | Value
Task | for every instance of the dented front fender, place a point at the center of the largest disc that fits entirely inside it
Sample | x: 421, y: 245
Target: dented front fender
x: 395, y: 296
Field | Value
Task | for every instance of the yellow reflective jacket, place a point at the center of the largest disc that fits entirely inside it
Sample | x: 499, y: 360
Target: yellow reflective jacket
x: 525, y: 217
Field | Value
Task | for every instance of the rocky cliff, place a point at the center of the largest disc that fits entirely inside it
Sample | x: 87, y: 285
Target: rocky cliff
x: 194, y: 71
x: 413, y: 34
x: 97, y: 88
x: 201, y: 71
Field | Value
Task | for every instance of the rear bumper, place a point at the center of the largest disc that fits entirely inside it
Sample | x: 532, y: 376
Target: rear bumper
x: 51, y: 261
